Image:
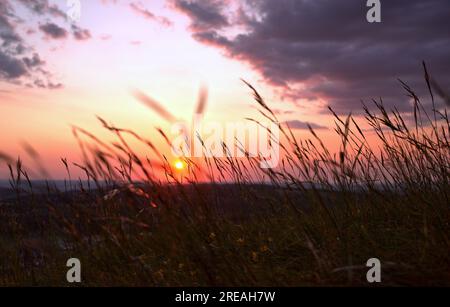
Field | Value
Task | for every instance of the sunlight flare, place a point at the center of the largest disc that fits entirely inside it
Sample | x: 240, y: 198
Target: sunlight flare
x: 179, y: 165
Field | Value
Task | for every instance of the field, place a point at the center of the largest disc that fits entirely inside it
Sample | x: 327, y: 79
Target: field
x: 313, y: 221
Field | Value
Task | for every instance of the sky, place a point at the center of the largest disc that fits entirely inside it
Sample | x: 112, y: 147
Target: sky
x: 302, y: 56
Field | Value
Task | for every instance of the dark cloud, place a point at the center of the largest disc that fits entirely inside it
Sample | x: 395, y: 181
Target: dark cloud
x: 11, y: 46
x: 149, y: 15
x: 43, y: 7
x: 30, y: 69
x: 53, y: 31
x: 80, y: 34
x: 10, y: 67
x: 300, y: 125
x: 8, y: 33
x: 205, y: 15
x: 34, y: 61
x: 325, y: 49
x: 49, y: 85
x: 20, y: 63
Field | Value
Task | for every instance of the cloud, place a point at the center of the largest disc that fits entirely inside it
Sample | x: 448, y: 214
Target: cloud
x: 53, y: 31
x: 13, y: 70
x: 300, y: 125
x: 10, y: 67
x: 204, y: 14
x: 80, y: 34
x: 8, y: 33
x: 109, y: 1
x: 43, y: 7
x: 325, y: 50
x: 20, y: 62
x: 149, y: 15
x: 49, y: 85
x: 105, y: 37
x: 34, y: 61
x: 282, y: 112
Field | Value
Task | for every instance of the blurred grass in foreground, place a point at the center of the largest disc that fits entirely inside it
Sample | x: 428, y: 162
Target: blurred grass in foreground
x: 315, y: 220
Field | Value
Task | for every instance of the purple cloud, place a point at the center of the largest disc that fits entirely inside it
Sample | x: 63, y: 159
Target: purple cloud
x: 301, y: 125
x: 325, y: 49
x: 53, y: 31
x: 80, y: 34
x: 149, y: 15
x: 20, y: 63
x: 205, y: 15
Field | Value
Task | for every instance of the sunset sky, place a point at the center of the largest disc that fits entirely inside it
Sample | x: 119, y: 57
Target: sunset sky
x: 301, y: 55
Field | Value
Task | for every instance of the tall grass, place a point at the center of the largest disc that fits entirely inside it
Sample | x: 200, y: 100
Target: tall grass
x: 315, y: 220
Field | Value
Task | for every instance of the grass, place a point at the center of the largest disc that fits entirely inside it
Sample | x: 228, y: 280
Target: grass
x: 315, y: 220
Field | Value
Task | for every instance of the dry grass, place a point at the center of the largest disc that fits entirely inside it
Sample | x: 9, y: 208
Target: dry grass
x: 317, y: 222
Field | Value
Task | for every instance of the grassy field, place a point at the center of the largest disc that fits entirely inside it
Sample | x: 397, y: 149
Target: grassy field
x: 315, y: 220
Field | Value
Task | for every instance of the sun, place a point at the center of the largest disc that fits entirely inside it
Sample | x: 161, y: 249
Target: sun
x: 179, y: 165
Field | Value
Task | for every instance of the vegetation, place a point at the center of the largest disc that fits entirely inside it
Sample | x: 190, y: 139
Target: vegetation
x: 315, y: 220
